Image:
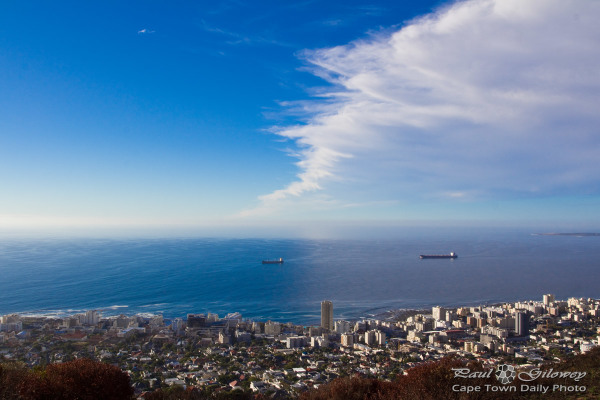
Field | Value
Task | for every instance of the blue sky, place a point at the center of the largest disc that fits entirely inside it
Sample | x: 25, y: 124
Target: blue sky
x: 229, y: 118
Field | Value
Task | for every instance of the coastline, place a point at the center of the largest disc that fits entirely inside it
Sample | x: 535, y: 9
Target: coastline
x: 392, y: 315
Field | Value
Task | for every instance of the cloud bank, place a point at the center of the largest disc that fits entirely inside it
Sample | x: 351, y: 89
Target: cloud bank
x: 481, y: 99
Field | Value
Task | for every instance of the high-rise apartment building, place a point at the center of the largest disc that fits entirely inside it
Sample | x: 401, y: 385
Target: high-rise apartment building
x: 342, y: 327
x: 91, y: 317
x: 522, y: 324
x: 272, y: 328
x: 347, y: 340
x: 370, y: 338
x: 547, y: 299
x: 439, y: 313
x: 327, y: 315
x: 196, y: 320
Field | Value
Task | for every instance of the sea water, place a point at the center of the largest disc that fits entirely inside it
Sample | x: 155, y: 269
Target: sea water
x: 178, y: 276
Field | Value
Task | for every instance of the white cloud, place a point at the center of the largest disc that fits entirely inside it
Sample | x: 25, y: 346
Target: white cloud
x: 482, y: 98
x: 145, y: 31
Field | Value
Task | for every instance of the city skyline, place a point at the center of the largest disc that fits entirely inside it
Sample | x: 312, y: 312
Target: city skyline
x: 307, y: 119
x: 531, y: 338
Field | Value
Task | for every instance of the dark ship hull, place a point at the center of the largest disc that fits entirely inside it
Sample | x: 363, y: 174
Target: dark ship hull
x: 280, y: 261
x: 425, y: 256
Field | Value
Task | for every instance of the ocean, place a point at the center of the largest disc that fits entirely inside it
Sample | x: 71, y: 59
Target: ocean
x: 362, y: 278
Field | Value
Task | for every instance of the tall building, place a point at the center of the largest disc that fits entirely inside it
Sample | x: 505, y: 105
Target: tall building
x: 439, y: 313
x: 327, y: 315
x: 347, y: 340
x: 196, y: 320
x: 177, y: 325
x: 294, y: 342
x: 380, y: 337
x: 547, y: 299
x: 342, y: 327
x: 210, y: 317
x: 258, y: 327
x: 522, y: 324
x: 370, y: 338
x: 272, y: 328
x: 5, y: 319
x: 91, y: 317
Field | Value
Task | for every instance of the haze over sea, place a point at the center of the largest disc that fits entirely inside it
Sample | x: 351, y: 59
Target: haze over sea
x: 362, y: 277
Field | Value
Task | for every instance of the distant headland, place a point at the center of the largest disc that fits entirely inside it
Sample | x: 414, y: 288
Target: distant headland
x: 566, y: 234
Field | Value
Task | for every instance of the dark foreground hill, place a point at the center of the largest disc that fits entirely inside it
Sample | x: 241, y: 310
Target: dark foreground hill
x: 79, y: 379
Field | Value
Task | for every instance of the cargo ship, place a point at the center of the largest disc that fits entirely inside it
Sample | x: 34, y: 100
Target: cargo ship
x: 280, y: 261
x: 451, y: 255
